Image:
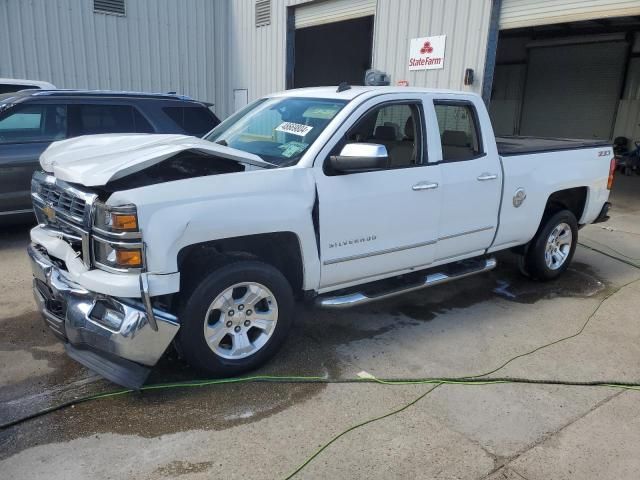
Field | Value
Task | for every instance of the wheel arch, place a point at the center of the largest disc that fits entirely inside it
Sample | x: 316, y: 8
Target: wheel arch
x: 282, y: 250
x: 572, y: 199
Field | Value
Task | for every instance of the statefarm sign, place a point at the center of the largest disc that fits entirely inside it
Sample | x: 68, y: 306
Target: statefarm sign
x: 426, y: 53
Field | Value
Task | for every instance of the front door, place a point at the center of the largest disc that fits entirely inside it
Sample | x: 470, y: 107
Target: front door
x: 379, y: 223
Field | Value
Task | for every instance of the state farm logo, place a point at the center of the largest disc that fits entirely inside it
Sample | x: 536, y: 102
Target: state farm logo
x: 426, y: 48
x: 427, y: 53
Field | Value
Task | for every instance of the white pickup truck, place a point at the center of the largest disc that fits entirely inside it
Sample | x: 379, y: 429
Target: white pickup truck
x: 338, y: 196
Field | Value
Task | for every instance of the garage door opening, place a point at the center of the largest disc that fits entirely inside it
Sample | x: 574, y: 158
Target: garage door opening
x: 332, y: 53
x: 567, y: 80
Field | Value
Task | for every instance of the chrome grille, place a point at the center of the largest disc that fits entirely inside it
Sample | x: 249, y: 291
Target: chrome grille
x: 64, y: 209
x: 63, y: 201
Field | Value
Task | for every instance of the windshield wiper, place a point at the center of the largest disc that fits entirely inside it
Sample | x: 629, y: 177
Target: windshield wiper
x: 222, y: 142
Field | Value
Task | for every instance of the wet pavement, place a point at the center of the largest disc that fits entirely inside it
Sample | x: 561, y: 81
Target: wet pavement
x: 463, y: 328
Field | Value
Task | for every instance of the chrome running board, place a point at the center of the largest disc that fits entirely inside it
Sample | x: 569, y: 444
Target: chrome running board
x: 429, y: 280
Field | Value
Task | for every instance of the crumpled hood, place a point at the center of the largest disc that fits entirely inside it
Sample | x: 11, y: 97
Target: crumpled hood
x: 94, y: 160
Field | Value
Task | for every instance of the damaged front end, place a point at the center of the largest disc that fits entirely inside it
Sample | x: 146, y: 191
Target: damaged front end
x: 92, y: 281
x: 91, y: 286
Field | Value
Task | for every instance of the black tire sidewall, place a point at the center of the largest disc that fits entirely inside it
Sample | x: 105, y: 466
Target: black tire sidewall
x: 535, y: 261
x: 191, y: 339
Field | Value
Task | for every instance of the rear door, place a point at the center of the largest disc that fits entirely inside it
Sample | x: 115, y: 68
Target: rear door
x: 93, y: 118
x: 378, y: 223
x: 26, y: 130
x: 471, y: 180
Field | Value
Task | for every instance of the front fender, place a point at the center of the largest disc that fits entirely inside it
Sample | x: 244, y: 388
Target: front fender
x: 177, y: 214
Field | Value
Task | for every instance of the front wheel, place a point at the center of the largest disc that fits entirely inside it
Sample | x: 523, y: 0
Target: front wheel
x: 551, y: 250
x: 236, y: 318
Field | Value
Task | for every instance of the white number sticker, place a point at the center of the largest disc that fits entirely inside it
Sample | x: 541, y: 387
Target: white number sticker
x: 294, y: 128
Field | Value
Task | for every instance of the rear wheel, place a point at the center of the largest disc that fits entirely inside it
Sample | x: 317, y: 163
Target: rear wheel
x: 550, y: 252
x: 236, y: 318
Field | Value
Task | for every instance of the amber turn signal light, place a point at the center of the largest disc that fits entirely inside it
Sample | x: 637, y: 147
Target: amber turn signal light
x: 129, y: 258
x: 124, y: 221
x: 612, y: 171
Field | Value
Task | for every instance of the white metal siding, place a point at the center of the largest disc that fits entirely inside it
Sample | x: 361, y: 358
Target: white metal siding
x: 330, y: 11
x: 464, y: 22
x: 527, y: 13
x: 158, y: 46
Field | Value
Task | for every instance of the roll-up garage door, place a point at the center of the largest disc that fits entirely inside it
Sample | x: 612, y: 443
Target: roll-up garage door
x: 573, y: 90
x: 527, y: 13
x: 329, y: 11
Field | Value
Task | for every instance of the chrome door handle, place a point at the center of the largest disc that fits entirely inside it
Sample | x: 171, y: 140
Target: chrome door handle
x: 424, y: 186
x: 487, y: 176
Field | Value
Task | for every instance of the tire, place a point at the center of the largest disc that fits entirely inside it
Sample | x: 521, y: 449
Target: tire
x: 267, y: 295
x: 543, y: 265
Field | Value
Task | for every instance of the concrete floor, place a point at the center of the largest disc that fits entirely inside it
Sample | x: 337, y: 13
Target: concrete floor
x: 266, y: 430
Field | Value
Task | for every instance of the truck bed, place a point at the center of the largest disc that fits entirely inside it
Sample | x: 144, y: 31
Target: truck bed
x: 527, y: 145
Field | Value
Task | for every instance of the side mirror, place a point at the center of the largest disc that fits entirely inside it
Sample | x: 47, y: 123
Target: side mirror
x: 360, y: 157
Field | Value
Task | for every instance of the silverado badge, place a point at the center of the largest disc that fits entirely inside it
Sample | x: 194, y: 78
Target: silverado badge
x: 49, y: 212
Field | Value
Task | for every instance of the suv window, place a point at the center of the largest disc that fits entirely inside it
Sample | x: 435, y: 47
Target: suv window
x: 397, y: 127
x: 194, y: 121
x: 459, y: 131
x: 34, y: 123
x: 94, y: 119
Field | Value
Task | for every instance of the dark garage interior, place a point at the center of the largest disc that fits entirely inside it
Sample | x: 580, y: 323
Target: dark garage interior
x: 332, y: 53
x: 575, y: 80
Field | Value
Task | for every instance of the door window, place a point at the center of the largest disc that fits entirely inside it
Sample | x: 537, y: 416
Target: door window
x: 459, y: 132
x: 95, y: 119
x: 194, y: 121
x: 397, y: 127
x: 34, y: 123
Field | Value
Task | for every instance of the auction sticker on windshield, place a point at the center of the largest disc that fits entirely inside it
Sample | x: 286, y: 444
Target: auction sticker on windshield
x: 294, y: 128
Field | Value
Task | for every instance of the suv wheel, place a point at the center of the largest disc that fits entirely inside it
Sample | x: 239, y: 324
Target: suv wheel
x: 551, y: 250
x: 236, y: 318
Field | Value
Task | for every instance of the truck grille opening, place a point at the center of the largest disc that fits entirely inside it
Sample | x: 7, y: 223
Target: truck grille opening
x: 65, y: 210
x: 63, y: 201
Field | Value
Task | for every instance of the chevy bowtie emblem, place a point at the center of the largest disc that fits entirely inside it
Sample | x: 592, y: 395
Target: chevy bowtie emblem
x: 49, y: 212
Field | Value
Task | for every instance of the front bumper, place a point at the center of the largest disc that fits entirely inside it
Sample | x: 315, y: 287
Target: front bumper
x: 73, y: 313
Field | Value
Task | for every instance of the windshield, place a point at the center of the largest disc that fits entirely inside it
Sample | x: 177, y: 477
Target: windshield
x: 279, y: 130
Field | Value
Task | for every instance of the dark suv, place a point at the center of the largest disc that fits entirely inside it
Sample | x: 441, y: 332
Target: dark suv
x: 30, y: 120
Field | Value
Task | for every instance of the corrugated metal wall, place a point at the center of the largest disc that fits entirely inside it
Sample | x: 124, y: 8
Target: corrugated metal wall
x: 208, y: 48
x: 159, y: 46
x: 464, y: 22
x: 256, y: 56
x: 259, y: 53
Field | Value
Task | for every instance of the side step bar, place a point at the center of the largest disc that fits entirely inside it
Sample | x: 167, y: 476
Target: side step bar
x: 430, y: 280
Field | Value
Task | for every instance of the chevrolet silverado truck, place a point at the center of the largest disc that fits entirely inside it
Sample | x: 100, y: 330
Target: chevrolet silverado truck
x: 335, y: 196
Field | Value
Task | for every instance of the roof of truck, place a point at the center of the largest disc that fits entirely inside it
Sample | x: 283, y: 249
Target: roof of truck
x: 355, y: 91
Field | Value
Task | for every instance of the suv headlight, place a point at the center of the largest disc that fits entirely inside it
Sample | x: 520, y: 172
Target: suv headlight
x: 117, y: 242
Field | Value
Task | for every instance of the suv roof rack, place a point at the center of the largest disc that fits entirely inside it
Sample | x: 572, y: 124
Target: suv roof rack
x: 102, y: 93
